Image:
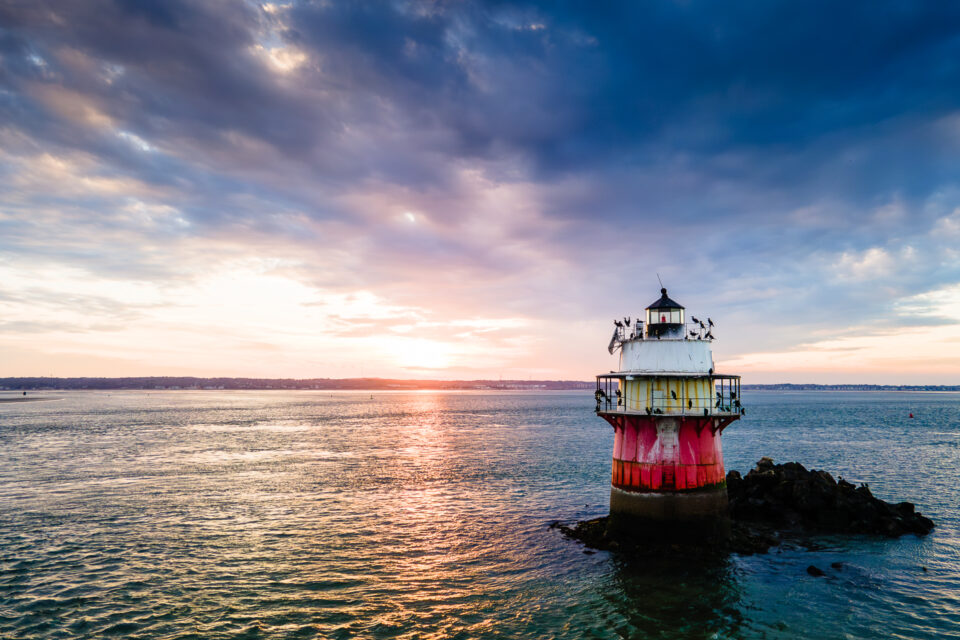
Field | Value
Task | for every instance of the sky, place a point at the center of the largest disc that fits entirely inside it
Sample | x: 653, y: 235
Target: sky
x: 466, y: 190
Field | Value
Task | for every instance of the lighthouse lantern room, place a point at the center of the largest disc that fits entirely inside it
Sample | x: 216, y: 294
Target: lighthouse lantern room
x: 668, y: 408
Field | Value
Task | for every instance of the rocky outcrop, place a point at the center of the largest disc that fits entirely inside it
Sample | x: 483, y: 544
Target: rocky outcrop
x: 789, y: 496
x: 771, y: 503
x: 742, y: 538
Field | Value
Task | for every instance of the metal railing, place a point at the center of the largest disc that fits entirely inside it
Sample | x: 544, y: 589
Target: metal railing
x: 690, y: 406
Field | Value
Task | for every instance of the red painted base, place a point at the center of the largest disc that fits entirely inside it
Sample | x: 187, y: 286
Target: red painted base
x: 667, y: 454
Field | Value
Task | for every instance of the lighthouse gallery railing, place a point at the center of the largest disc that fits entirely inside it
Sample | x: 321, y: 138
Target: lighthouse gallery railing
x: 611, y: 397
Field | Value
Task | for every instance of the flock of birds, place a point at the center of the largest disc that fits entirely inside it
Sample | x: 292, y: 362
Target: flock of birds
x: 708, y: 328
x: 705, y: 331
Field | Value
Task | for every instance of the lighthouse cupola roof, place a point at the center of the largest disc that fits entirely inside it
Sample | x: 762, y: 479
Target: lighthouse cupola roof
x: 665, y: 302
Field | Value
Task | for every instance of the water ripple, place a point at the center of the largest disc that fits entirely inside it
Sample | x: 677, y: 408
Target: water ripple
x: 423, y: 515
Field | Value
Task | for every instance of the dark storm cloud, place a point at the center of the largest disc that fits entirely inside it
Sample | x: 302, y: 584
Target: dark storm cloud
x: 579, y: 88
x: 576, y: 88
x: 769, y: 136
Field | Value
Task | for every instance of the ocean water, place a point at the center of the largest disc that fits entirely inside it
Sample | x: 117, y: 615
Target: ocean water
x: 425, y: 515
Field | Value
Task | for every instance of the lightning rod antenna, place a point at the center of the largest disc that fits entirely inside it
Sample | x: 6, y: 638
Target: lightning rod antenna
x: 659, y: 280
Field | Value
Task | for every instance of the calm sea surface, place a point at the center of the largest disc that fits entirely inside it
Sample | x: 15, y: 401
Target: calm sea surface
x: 424, y: 515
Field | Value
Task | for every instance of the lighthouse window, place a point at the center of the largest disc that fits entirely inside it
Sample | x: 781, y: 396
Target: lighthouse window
x: 665, y: 316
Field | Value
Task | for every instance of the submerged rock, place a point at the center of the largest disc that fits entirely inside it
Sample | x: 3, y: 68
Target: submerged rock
x: 773, y: 501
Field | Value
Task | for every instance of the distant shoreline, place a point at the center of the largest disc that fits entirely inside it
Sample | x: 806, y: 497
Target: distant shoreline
x: 171, y: 383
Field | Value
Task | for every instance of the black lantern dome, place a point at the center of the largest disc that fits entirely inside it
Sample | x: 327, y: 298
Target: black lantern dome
x: 664, y: 315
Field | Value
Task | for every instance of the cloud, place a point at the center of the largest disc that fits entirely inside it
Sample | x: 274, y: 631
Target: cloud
x: 509, y: 162
x: 870, y: 264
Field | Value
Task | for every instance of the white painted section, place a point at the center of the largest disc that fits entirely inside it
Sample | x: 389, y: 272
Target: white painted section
x: 666, y: 448
x: 668, y: 432
x: 677, y: 356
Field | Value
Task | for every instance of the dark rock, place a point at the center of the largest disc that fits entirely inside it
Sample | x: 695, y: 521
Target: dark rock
x: 788, y: 495
x: 815, y: 572
x: 905, y: 508
x: 837, y: 565
x: 764, y: 464
x: 748, y: 540
x: 743, y: 538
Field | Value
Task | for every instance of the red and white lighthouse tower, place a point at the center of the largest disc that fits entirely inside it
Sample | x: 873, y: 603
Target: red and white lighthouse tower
x: 668, y: 408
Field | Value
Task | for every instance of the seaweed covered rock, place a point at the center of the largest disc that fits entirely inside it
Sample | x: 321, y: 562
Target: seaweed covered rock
x: 789, y: 496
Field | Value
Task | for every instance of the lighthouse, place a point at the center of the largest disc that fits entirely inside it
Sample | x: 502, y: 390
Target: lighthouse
x: 668, y: 408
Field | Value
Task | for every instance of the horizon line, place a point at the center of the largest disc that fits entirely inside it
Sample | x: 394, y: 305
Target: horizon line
x: 373, y: 382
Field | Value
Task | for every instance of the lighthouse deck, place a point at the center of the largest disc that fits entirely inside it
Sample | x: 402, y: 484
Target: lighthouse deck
x: 668, y: 393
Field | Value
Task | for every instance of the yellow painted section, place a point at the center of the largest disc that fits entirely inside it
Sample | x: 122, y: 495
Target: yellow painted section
x: 692, y: 395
